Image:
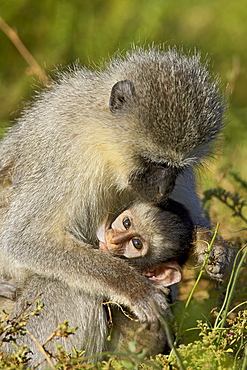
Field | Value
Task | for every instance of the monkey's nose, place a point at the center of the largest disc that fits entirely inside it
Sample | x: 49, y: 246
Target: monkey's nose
x: 121, y: 237
x: 163, y: 191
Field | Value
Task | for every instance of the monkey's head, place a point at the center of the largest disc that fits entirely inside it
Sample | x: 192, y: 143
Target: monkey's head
x: 155, y: 239
x: 171, y: 111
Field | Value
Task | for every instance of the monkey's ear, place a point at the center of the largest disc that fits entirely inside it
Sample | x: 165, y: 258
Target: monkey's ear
x: 121, y: 94
x: 165, y: 274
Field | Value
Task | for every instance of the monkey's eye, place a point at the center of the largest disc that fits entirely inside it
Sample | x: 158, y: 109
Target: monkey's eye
x: 126, y: 223
x: 137, y: 243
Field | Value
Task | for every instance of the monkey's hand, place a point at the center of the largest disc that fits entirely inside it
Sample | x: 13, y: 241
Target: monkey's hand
x: 8, y: 289
x: 221, y: 257
x: 152, y: 306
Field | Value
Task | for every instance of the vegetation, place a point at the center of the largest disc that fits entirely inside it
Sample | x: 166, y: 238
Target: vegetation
x: 213, y: 331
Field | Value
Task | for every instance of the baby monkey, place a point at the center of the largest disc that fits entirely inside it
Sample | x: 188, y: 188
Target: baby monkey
x: 157, y: 241
x: 155, y: 238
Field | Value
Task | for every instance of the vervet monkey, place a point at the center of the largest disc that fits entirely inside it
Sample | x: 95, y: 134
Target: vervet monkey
x: 155, y: 239
x: 92, y: 143
x: 148, y: 233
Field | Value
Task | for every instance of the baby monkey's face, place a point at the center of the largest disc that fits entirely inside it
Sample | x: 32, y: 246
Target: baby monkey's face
x: 125, y: 236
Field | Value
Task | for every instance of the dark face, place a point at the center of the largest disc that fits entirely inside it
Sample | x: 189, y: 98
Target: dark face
x: 155, y: 182
x: 151, y: 181
x: 172, y: 113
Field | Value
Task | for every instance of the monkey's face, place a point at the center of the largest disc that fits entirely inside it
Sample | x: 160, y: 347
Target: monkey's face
x: 155, y: 182
x: 171, y: 113
x: 124, y: 237
x: 151, y: 180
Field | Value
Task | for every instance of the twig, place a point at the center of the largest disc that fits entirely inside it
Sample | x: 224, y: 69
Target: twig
x: 35, y: 67
x: 41, y: 349
x: 22, y: 314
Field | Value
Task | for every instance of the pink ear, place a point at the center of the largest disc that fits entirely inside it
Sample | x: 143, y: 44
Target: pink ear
x: 165, y: 274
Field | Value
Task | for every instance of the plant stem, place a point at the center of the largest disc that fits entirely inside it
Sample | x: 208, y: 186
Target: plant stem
x: 195, y: 285
x: 230, y: 289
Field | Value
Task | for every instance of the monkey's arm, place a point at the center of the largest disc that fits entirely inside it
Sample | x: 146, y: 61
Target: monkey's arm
x: 79, y: 265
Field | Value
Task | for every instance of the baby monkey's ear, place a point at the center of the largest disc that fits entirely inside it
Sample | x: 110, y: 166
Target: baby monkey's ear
x: 122, y: 93
x: 164, y: 274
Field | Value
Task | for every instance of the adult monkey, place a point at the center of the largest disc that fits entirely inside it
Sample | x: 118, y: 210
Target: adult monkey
x: 157, y: 240
x: 92, y: 143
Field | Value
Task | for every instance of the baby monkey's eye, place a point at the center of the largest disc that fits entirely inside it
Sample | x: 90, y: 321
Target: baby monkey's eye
x: 126, y: 223
x: 137, y: 243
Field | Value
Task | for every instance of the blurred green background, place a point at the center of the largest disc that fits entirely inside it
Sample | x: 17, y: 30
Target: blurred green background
x: 58, y: 32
